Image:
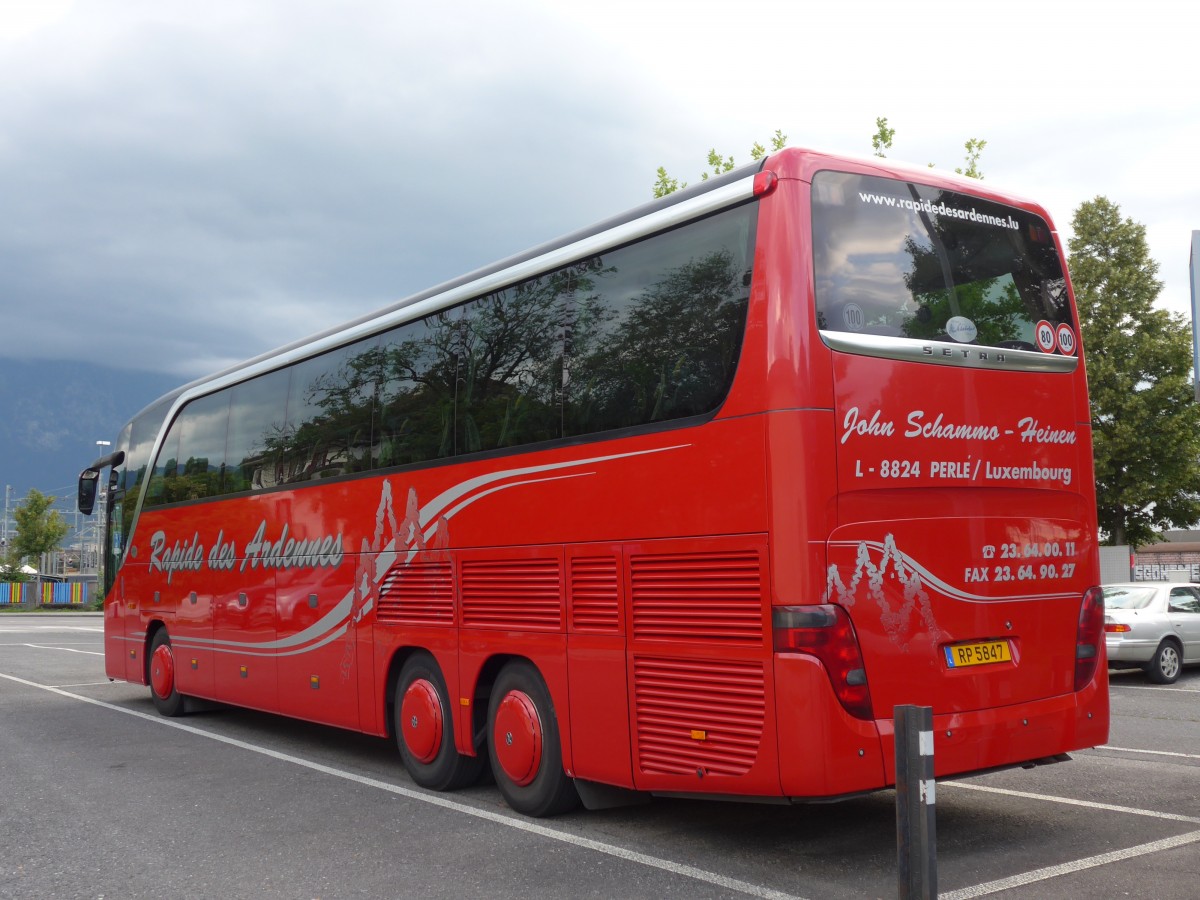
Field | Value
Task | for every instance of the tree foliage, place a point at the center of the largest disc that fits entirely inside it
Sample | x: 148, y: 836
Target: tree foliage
x: 884, y: 135
x: 1146, y: 425
x: 881, y: 140
x: 974, y: 148
x: 665, y: 184
x: 40, y: 529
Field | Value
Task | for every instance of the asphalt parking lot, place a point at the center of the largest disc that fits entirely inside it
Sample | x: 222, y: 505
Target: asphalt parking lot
x: 102, y: 798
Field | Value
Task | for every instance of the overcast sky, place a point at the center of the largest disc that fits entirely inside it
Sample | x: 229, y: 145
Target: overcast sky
x: 184, y: 185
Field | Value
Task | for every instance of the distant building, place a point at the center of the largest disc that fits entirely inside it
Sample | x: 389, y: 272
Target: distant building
x: 1176, y: 559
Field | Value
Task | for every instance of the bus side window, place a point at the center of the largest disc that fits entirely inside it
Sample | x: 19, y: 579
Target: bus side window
x: 511, y: 373
x: 257, y: 434
x: 657, y: 326
x: 329, y: 406
x: 413, y: 419
x: 161, y: 483
x: 204, y: 423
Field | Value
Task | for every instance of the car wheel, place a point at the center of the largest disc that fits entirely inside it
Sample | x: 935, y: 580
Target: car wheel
x: 424, y: 727
x: 1164, y: 667
x: 524, y: 746
x: 167, y: 699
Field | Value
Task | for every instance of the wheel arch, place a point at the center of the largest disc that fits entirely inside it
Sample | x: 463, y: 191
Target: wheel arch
x: 1153, y: 669
x: 152, y: 629
x: 481, y: 693
x: 396, y: 663
x: 1174, y: 640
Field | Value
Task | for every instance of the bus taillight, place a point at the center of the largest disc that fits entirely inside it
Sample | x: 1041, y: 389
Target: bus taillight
x: 764, y: 183
x: 827, y: 633
x: 1088, y: 636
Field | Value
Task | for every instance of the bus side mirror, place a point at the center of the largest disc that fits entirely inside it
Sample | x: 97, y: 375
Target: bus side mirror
x: 88, y: 479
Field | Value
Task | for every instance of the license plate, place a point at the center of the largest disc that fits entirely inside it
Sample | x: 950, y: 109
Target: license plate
x: 978, y: 653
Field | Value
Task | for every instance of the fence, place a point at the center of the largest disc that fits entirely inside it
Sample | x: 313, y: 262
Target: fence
x: 29, y: 593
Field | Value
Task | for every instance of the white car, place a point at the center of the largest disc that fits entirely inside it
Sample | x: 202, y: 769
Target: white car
x: 1154, y: 627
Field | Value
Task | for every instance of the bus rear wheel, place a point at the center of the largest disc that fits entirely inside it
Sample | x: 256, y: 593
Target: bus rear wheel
x: 424, y: 726
x: 167, y: 699
x: 523, y: 744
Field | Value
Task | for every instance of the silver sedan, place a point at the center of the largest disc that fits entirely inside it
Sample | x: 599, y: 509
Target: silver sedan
x: 1154, y: 627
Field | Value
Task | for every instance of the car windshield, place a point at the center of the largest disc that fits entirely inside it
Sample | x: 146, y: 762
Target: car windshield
x: 1128, y: 597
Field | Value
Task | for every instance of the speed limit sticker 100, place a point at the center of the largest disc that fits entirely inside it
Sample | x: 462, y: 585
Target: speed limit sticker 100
x: 1065, y: 336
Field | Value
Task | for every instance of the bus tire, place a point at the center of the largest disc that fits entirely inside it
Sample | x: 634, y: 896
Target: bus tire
x: 1165, y: 665
x: 424, y: 726
x: 524, y: 746
x: 167, y: 699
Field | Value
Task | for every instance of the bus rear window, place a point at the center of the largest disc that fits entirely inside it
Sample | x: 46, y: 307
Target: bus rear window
x: 895, y: 259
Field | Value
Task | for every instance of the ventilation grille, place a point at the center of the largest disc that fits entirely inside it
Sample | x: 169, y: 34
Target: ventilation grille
x: 698, y: 715
x: 595, y: 596
x: 710, y: 597
x: 419, y: 593
x: 522, y: 595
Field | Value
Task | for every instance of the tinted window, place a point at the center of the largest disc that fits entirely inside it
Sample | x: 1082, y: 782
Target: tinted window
x: 202, y: 425
x: 192, y: 459
x: 143, y: 431
x: 642, y: 334
x: 328, y: 429
x: 418, y: 370
x: 257, y: 435
x: 657, y: 326
x: 904, y: 260
x: 161, y: 483
x: 511, y: 365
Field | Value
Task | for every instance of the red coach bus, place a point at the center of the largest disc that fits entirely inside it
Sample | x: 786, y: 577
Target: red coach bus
x: 681, y: 504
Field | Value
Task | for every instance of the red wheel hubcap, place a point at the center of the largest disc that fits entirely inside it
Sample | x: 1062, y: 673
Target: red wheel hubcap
x: 421, y: 720
x: 517, y: 738
x: 162, y: 671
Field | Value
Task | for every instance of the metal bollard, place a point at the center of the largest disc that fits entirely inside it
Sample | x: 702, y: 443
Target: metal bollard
x: 916, y: 823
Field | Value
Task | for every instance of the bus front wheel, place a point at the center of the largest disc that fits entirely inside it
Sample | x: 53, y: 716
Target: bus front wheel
x: 167, y: 699
x: 524, y: 746
x: 424, y: 726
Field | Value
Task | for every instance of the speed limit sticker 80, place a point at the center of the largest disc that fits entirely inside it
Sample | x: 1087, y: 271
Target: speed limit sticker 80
x: 1045, y: 337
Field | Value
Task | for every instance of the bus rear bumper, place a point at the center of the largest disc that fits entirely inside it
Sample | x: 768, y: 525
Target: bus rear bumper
x: 824, y: 752
x: 1007, y: 736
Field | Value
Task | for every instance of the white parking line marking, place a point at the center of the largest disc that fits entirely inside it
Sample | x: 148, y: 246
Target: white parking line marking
x: 1129, y: 810
x: 67, y: 649
x: 1157, y: 689
x: 88, y: 684
x: 1079, y: 865
x: 1153, y: 752
x: 666, y: 865
x: 7, y: 628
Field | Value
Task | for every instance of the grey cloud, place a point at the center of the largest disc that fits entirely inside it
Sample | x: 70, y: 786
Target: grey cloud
x: 191, y: 196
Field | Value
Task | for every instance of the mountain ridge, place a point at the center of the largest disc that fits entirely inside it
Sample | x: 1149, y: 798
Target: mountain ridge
x: 52, y: 413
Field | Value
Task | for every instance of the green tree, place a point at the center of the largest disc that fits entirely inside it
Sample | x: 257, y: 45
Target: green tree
x: 882, y: 140
x: 40, y: 529
x: 974, y: 148
x: 1146, y: 425
x: 665, y: 184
